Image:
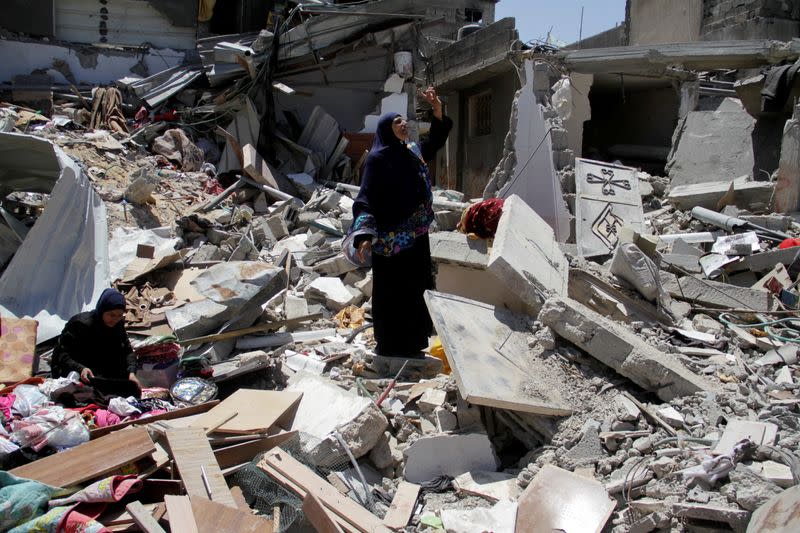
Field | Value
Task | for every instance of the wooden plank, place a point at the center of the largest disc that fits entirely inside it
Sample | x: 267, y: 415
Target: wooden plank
x: 89, y: 460
x: 403, y: 503
x: 143, y: 518
x: 212, y: 517
x: 170, y: 415
x: 222, y: 417
x: 491, y: 360
x: 258, y: 411
x: 247, y: 451
x: 180, y: 515
x: 319, y: 517
x: 238, y: 497
x: 255, y: 166
x: 193, y: 455
x: 252, y: 329
x: 340, y: 505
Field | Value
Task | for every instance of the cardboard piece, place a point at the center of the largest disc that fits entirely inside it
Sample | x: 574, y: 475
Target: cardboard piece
x: 256, y: 411
x: 558, y: 500
x: 17, y: 348
x: 181, y: 518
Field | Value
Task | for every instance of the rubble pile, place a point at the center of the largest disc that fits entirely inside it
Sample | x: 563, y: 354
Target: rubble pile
x: 638, y: 376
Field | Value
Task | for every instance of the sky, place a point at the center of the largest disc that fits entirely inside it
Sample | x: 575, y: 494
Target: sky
x: 536, y: 17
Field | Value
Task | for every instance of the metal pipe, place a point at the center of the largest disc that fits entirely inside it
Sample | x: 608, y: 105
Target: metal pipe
x: 275, y: 193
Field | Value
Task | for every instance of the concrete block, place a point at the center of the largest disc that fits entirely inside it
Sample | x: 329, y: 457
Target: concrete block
x: 447, y: 220
x: 236, y: 283
x: 353, y: 277
x: 526, y: 256
x: 197, y: 318
x: 276, y: 227
x: 626, y: 409
x: 456, y: 247
x: 326, y: 408
x: 445, y: 420
x: 331, y: 292
x: 365, y: 285
x: 671, y: 416
x: 621, y: 349
x: 431, y: 399
x: 431, y: 457
x: 334, y: 266
x: 716, y: 294
x: 479, y: 285
x: 294, y: 306
x: 712, y: 145
x: 707, y: 195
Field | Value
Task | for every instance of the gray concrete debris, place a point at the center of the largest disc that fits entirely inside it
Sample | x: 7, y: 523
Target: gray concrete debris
x: 332, y: 293
x: 630, y: 264
x: 716, y: 294
x: 622, y: 350
x: 747, y: 193
x: 526, y: 256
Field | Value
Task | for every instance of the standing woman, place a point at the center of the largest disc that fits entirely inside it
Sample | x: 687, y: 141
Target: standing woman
x: 392, y: 213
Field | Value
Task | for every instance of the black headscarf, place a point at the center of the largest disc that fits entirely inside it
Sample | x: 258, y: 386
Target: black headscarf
x: 391, y: 186
x: 110, y: 299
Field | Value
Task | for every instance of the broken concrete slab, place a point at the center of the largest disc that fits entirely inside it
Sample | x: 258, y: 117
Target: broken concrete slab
x: 330, y: 292
x: 487, y: 349
x: 334, y: 266
x: 621, y: 349
x: 778, y: 473
x: 525, y: 255
x: 746, y: 193
x: 712, y: 145
x: 733, y: 516
x: 526, y: 168
x: 607, y: 199
x: 294, y: 306
x: 327, y: 408
x: 452, y: 455
x: 431, y: 399
x: 558, y: 500
x: 498, y: 519
x: 716, y: 294
x: 778, y: 515
x: 197, y: 318
x: 493, y: 486
x: 761, y: 433
x: 456, y: 247
x: 236, y: 283
x: 787, y: 188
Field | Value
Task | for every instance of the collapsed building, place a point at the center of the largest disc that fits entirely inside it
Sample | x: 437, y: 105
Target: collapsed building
x: 620, y: 356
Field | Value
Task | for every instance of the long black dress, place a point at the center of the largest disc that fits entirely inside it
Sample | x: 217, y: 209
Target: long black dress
x: 395, y: 202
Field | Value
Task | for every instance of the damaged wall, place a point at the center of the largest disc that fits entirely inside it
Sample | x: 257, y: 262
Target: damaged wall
x: 480, y: 150
x: 129, y: 22
x: 88, y: 64
x: 658, y: 22
x: 726, y: 20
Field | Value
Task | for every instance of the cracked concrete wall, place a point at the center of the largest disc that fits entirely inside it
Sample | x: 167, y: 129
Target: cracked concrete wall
x: 88, y: 65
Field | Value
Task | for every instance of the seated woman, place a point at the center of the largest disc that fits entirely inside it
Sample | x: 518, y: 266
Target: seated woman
x: 94, y: 343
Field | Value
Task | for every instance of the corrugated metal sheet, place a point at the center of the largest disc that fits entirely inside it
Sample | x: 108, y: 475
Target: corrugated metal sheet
x: 128, y: 22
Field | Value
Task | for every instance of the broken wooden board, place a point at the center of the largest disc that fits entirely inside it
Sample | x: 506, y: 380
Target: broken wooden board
x: 238, y: 497
x: 179, y: 514
x: 213, y: 517
x: 257, y: 411
x: 488, y: 351
x: 607, y: 199
x: 89, y: 460
x: 244, y: 452
x: 302, y: 480
x: 761, y: 433
x: 169, y: 415
x: 403, y: 503
x: 318, y: 516
x: 143, y: 518
x: 192, y: 454
x: 558, y: 500
x: 256, y: 167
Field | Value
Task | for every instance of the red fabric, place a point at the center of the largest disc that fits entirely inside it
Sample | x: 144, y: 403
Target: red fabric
x: 483, y: 217
x: 789, y: 243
